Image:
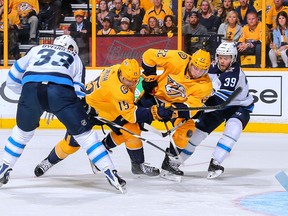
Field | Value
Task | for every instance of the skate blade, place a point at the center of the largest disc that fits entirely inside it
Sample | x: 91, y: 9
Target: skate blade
x: 170, y: 176
x: 121, y: 189
x: 214, y: 174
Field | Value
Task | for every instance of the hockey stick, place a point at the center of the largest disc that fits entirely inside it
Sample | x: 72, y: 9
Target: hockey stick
x: 177, y: 156
x: 221, y: 106
x: 113, y: 124
x: 282, y: 179
x: 216, y: 107
x: 163, y: 134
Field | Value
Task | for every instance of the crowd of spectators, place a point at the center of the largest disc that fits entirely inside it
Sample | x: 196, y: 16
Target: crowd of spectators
x: 235, y: 21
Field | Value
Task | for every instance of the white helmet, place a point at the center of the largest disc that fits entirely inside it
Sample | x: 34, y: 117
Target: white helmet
x: 66, y: 41
x: 227, y: 48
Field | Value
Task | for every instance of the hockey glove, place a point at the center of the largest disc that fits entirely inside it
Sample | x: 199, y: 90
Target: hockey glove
x: 161, y: 113
x: 176, y: 113
x: 149, y: 83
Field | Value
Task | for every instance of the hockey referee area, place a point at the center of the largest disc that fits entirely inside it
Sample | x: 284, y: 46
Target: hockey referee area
x: 246, y: 188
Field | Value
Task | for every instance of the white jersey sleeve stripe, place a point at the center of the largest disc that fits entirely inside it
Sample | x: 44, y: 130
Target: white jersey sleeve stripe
x: 14, y: 78
x: 18, y: 68
x: 221, y: 95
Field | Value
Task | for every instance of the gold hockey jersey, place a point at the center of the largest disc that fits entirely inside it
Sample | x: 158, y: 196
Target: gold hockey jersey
x: 174, y: 84
x: 110, y: 98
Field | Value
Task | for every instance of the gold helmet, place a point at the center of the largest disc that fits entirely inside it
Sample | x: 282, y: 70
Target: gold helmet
x: 201, y: 59
x: 130, y: 70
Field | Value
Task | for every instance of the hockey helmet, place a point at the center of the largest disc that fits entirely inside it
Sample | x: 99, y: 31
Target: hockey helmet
x: 227, y: 48
x: 66, y: 41
x: 130, y: 70
x: 201, y: 60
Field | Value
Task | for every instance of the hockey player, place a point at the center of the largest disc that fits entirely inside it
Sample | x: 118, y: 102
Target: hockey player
x: 111, y: 96
x: 183, y: 83
x: 226, y: 76
x: 49, y: 78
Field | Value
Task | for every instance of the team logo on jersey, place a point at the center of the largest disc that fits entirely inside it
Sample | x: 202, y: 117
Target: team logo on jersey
x: 83, y: 122
x: 182, y: 55
x: 174, y: 89
x: 238, y: 113
x: 124, y: 89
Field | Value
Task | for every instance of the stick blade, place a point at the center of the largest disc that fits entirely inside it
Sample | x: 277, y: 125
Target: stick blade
x: 282, y: 179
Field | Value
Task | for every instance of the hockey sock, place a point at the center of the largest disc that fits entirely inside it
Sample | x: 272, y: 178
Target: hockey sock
x: 95, y: 149
x: 136, y: 155
x: 15, y: 145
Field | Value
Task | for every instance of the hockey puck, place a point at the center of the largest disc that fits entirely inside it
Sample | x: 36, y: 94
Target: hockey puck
x: 189, y: 133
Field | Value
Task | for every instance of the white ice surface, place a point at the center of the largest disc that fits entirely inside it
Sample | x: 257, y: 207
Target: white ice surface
x: 70, y: 188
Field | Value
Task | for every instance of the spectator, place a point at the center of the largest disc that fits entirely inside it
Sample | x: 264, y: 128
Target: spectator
x: 186, y: 11
x: 50, y: 14
x: 13, y: 25
x: 102, y: 13
x: 125, y: 30
x: 28, y: 11
x: 192, y: 31
x: 159, y: 11
x: 231, y: 28
x: 250, y: 41
x: 225, y: 7
x: 107, y: 30
x: 173, y: 4
x: 214, y: 5
x: 170, y: 26
x: 80, y: 30
x: 258, y: 5
x: 207, y: 18
x: 272, y: 13
x: 116, y: 13
x: 146, y: 5
x: 110, y: 4
x: 135, y: 14
x: 243, y: 10
x: 153, y: 26
x: 280, y: 39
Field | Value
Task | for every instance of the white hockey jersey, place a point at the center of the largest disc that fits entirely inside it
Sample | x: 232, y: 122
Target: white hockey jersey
x: 224, y: 84
x: 48, y: 63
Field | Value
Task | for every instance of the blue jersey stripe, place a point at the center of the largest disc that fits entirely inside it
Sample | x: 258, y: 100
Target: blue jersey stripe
x: 18, y: 68
x: 226, y: 148
x: 92, y: 148
x: 187, y: 152
x: 47, y: 78
x: 9, y: 151
x: 14, y: 78
x: 13, y: 142
x: 98, y: 157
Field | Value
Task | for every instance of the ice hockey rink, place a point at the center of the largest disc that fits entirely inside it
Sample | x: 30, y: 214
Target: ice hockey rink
x: 246, y: 188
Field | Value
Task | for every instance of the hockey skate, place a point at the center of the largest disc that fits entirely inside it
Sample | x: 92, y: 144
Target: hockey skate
x: 214, y: 170
x: 115, y: 180
x: 4, y: 174
x: 144, y: 169
x: 170, y: 170
x: 42, y: 168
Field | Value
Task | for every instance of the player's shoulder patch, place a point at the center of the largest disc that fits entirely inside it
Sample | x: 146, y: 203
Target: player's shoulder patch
x: 124, y: 89
x: 182, y: 55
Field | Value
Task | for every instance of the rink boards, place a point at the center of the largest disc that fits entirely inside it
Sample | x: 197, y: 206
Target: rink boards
x: 269, y: 115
